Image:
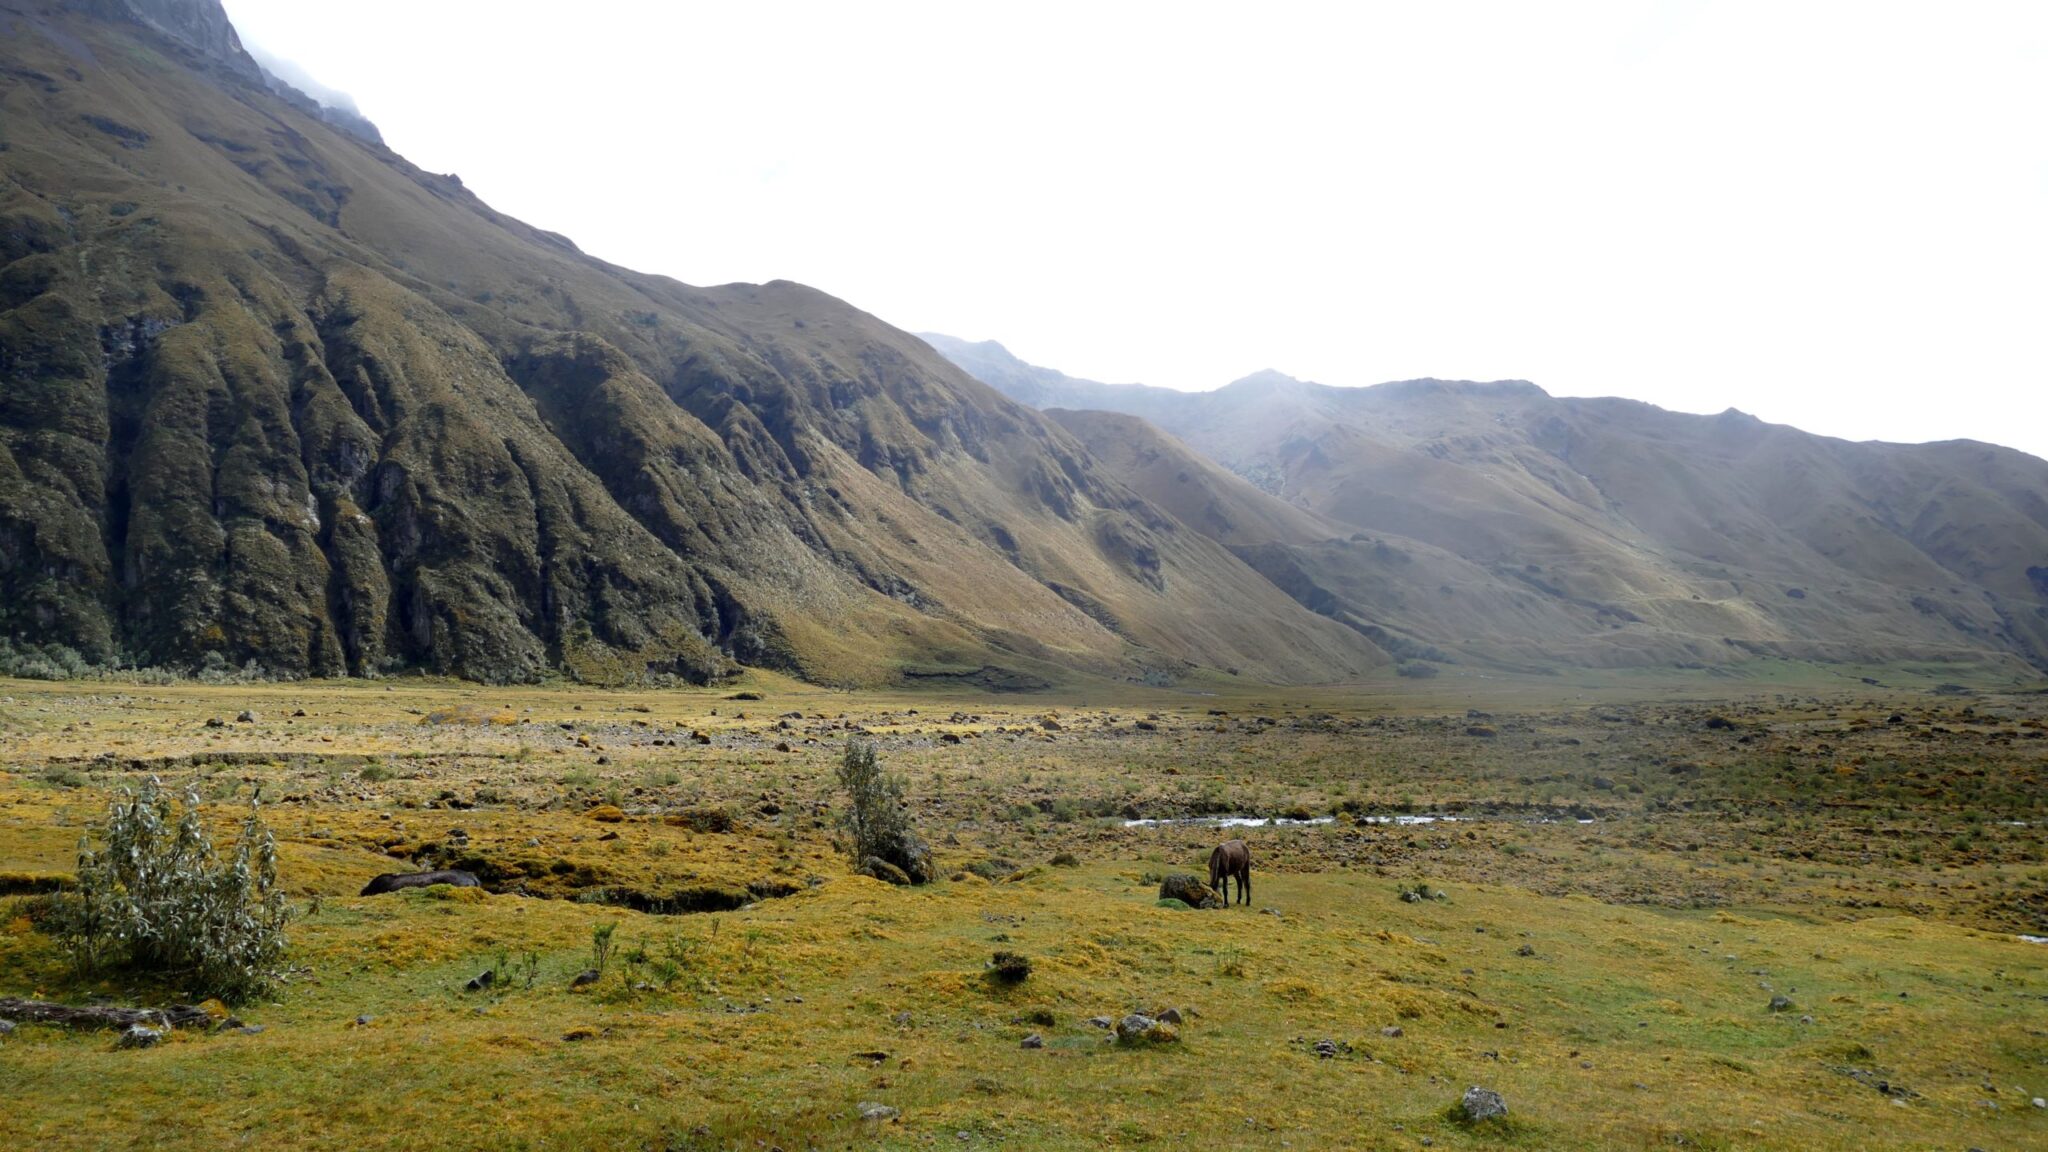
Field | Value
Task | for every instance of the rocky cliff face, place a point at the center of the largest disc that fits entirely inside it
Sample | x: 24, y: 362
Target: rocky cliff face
x: 273, y: 393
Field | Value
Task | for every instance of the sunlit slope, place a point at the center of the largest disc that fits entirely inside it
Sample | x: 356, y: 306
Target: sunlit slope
x: 1511, y: 526
x: 277, y: 394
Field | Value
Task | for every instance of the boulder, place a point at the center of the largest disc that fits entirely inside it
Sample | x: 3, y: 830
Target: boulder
x: 1190, y: 890
x: 884, y: 871
x: 1138, y: 1028
x: 139, y: 1036
x: 1482, y: 1104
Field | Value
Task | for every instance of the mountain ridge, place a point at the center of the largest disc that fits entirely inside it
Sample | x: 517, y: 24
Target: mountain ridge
x: 1598, y: 531
x: 277, y: 394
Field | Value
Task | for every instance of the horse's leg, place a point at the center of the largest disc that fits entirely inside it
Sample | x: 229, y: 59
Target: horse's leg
x: 1244, y: 885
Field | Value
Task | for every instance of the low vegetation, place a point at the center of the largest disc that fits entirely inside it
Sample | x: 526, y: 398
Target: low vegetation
x: 1658, y: 915
x: 154, y: 897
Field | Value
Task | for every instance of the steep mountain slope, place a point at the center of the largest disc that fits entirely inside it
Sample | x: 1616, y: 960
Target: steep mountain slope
x: 1495, y: 522
x: 273, y: 393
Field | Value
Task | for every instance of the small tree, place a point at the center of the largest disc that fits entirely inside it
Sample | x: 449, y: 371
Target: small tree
x: 878, y: 821
x: 158, y: 898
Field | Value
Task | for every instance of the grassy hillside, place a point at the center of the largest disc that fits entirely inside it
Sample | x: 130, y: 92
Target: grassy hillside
x: 276, y: 394
x: 1493, y: 522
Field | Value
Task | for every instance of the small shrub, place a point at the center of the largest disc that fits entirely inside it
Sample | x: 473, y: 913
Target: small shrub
x: 601, y: 945
x: 1010, y: 968
x: 158, y: 899
x: 876, y: 819
x: 992, y: 869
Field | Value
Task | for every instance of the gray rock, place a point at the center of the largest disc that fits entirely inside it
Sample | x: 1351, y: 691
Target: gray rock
x: 482, y: 980
x: 1327, y: 1049
x: 2039, y: 1102
x: 1189, y: 890
x: 877, y: 1113
x: 363, y: 1021
x: 586, y: 978
x: 245, y: 717
x: 1101, y: 1022
x: 1032, y: 1041
x: 1170, y: 1016
x: 6, y: 1027
x: 1482, y: 1104
x: 1526, y: 950
x: 139, y: 1036
x: 1391, y: 1032
x: 1781, y: 1004
x: 1134, y: 1026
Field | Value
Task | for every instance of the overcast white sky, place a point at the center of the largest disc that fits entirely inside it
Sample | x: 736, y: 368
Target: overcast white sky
x: 1829, y: 215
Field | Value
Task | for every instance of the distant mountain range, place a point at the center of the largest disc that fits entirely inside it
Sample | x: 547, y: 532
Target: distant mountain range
x: 1494, y: 523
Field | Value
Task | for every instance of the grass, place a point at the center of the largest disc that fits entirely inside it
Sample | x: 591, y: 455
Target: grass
x: 1656, y: 936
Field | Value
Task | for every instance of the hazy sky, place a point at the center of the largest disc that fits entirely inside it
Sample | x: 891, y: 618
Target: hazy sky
x: 1829, y: 215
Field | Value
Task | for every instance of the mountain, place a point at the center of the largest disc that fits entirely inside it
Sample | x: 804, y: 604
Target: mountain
x: 273, y: 393
x: 1494, y: 523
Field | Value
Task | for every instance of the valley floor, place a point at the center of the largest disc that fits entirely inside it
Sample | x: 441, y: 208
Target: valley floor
x: 1609, y: 887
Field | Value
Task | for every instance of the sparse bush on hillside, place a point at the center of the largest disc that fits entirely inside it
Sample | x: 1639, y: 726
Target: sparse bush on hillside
x: 157, y: 898
x: 878, y: 821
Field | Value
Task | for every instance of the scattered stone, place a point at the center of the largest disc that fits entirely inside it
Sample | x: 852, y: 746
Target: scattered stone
x: 901, y: 1019
x: 1101, y: 1022
x: 363, y: 1021
x: 1326, y: 1049
x: 1170, y: 1016
x: 1032, y: 1041
x: 245, y: 717
x: 582, y: 1032
x: 1781, y: 1004
x: 1806, y: 1019
x: 884, y: 871
x: 6, y: 1027
x: 1190, y: 890
x: 248, y: 1030
x: 482, y: 980
x: 139, y: 1036
x: 1482, y: 1104
x: 1392, y: 1032
x: 1526, y: 950
x: 1138, y: 1028
x: 586, y: 978
x: 875, y: 1113
x: 215, y: 722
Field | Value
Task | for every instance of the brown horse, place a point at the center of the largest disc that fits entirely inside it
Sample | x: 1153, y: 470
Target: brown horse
x: 1231, y: 859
